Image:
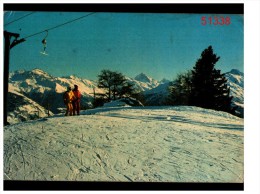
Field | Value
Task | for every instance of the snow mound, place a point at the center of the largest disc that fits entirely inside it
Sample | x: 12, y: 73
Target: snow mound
x: 126, y: 102
x: 150, y: 144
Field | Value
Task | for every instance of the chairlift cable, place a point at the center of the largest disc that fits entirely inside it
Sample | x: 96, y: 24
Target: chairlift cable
x: 19, y: 18
x: 59, y: 25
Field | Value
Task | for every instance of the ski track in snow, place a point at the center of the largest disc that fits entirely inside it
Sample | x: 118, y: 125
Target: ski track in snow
x: 179, y: 144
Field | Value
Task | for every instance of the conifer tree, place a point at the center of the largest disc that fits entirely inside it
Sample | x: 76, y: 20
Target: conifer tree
x: 179, y: 90
x: 209, y: 87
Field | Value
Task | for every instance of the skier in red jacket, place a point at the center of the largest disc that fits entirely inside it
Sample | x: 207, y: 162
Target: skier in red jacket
x: 76, y: 102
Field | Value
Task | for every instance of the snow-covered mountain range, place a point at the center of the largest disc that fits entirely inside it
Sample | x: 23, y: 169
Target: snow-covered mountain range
x: 21, y: 108
x: 236, y: 83
x: 48, y: 90
x: 45, y: 92
x: 235, y: 80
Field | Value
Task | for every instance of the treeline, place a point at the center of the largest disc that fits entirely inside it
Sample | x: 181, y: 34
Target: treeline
x: 115, y: 85
x: 203, y: 86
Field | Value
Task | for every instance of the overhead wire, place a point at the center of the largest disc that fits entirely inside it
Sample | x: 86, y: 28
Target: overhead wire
x: 19, y: 18
x: 59, y: 25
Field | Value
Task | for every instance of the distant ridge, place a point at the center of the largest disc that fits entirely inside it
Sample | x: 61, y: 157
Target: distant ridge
x: 43, y: 88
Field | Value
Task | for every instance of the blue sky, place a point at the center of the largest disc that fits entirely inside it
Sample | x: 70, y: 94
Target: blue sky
x: 160, y: 45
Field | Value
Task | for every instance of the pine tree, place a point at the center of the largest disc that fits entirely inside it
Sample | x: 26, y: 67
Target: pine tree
x: 209, y: 87
x: 179, y: 90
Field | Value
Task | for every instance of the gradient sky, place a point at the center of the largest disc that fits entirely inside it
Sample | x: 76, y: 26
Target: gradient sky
x: 160, y: 45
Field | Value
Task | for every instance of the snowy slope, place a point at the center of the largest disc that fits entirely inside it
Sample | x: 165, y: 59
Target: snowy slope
x: 154, y: 91
x: 44, y: 88
x: 236, y: 83
x: 124, y: 102
x: 148, y: 80
x: 20, y: 108
x: 157, y: 96
x: 143, y: 83
x: 158, y: 144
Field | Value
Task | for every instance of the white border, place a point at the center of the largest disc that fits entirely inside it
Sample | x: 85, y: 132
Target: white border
x: 252, y: 98
x: 251, y: 70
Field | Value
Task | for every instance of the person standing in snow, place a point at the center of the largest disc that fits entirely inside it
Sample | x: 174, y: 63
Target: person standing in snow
x: 68, y: 98
x: 76, y: 102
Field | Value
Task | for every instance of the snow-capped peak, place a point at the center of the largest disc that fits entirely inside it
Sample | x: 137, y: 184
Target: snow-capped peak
x: 236, y: 72
x: 40, y: 72
x: 235, y: 76
x: 143, y: 78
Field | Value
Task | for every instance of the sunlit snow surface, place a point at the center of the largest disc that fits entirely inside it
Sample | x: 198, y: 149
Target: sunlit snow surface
x: 158, y: 144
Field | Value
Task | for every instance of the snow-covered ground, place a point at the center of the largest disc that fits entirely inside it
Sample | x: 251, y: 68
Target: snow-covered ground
x: 20, y: 108
x: 159, y: 144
